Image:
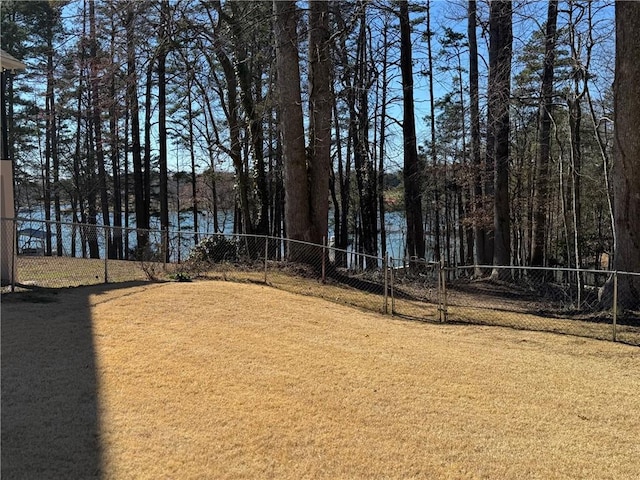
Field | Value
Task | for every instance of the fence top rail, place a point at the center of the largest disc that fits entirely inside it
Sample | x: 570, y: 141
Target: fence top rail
x: 418, y: 259
x: 546, y: 269
x: 633, y: 274
x: 359, y: 254
x: 80, y: 224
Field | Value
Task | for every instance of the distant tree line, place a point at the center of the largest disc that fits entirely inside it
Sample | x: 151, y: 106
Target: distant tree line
x: 313, y: 106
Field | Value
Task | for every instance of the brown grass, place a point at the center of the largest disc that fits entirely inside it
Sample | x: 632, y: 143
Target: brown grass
x: 475, y: 308
x: 58, y: 272
x: 221, y: 380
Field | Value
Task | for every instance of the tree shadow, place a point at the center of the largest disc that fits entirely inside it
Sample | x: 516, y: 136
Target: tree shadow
x: 50, y: 412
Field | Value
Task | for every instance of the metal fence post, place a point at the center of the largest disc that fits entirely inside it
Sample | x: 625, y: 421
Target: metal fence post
x: 324, y: 261
x: 442, y: 292
x: 393, y: 297
x: 179, y: 243
x: 266, y: 256
x: 438, y: 290
x: 14, y: 252
x: 165, y: 247
x: 106, y: 254
x: 445, y: 305
x: 615, y: 304
x: 385, y: 266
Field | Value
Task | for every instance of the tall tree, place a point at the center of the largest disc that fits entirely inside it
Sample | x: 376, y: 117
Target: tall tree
x: 231, y: 107
x: 454, y: 118
x: 297, y: 214
x: 306, y: 178
x: 412, y: 177
x: 500, y: 45
x: 479, y: 231
x: 340, y: 180
x: 51, y: 140
x: 96, y: 122
x: 163, y: 50
x: 541, y: 197
x: 192, y: 155
x: 358, y: 100
x: 141, y: 205
x: 577, y: 11
x: 433, y: 152
x: 114, y: 134
x: 626, y: 171
x: 382, y: 136
x: 250, y: 82
x: 320, y: 110
x: 86, y: 172
x: 343, y: 94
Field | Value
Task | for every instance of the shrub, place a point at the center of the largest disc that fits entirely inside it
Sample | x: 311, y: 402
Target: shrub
x: 180, y: 277
x: 150, y: 260
x: 216, y: 249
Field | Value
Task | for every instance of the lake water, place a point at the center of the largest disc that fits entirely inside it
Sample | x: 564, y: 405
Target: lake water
x: 31, y: 231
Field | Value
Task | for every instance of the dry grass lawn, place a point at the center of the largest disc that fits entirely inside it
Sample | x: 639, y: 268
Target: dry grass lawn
x: 222, y: 380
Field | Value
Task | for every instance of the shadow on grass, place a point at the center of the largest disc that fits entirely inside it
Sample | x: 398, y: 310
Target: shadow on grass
x: 50, y: 421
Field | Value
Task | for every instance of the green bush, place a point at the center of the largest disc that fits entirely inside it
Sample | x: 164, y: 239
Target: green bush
x: 180, y: 277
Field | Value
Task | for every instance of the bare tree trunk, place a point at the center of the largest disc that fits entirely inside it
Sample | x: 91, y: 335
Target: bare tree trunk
x: 606, y: 162
x: 580, y: 70
x: 626, y: 171
x: 297, y: 208
x: 575, y: 124
x: 147, y: 141
x: 52, y: 150
x: 235, y: 149
x: 279, y: 227
x: 209, y: 126
x: 412, y: 176
x: 359, y: 133
x: 192, y: 155
x: 78, y: 204
x: 432, y: 146
x: 306, y: 179
x: 251, y: 98
x: 465, y: 193
x: 162, y: 124
x: 115, y: 153
x: 381, y: 140
x: 139, y: 190
x: 46, y: 179
x: 208, y: 118
x: 541, y: 195
x: 479, y: 231
x: 125, y: 156
x: 96, y: 111
x: 344, y: 183
x: 320, y: 105
x: 498, y: 123
x: 90, y: 233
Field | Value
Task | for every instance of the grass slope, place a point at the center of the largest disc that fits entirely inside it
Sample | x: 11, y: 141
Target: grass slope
x: 220, y: 380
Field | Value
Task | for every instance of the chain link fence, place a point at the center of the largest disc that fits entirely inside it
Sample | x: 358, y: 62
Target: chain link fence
x: 590, y: 303
x: 579, y: 302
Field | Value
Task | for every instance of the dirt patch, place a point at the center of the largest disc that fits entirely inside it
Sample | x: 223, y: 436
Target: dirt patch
x: 222, y: 380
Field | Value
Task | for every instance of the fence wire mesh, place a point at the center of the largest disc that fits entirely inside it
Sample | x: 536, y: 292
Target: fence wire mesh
x: 590, y: 303
x: 570, y: 301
